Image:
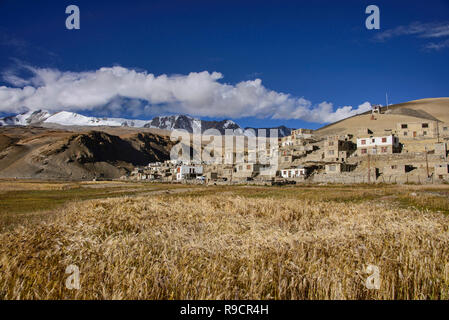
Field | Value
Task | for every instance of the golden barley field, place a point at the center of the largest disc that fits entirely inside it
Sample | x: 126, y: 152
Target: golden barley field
x: 240, y: 242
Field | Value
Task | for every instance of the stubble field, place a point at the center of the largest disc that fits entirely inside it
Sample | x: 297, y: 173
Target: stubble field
x: 240, y: 242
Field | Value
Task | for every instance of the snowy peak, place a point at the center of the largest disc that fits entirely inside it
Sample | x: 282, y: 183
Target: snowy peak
x: 66, y: 118
x: 26, y: 118
x: 183, y: 122
x: 173, y: 122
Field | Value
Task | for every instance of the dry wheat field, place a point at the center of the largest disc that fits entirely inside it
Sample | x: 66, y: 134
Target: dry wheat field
x: 240, y: 242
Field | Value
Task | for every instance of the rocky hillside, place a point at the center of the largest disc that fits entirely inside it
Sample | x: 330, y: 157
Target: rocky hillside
x: 435, y: 109
x: 56, y: 154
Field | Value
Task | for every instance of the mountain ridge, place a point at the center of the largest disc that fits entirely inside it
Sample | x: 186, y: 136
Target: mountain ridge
x: 171, y: 122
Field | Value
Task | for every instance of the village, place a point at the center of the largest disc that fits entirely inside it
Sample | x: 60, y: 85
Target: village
x: 410, y: 152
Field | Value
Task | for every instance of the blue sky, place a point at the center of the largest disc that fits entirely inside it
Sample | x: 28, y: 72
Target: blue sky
x: 305, y: 53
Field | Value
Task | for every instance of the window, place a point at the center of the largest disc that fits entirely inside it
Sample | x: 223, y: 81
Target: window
x: 331, y: 143
x: 394, y: 167
x: 363, y: 141
x: 363, y: 151
x: 404, y: 126
x: 405, y: 133
x: 373, y: 140
x: 248, y: 167
x: 383, y: 149
x: 331, y: 152
x: 424, y: 133
x: 425, y: 125
x: 384, y: 140
x: 332, y: 168
x: 444, y: 128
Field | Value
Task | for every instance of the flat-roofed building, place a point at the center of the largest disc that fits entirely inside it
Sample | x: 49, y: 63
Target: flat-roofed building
x: 302, y: 133
x: 441, y: 148
x: 188, y: 172
x: 337, y: 148
x: 443, y: 129
x: 335, y: 168
x: 422, y: 129
x: 442, y: 170
x: 293, y: 172
x: 378, y: 145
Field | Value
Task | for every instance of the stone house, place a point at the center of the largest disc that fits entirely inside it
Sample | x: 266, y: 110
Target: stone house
x: 337, y: 148
x: 246, y: 170
x: 334, y: 168
x: 411, y: 130
x: 441, y: 148
x: 302, y: 133
x: 286, y: 141
x: 396, y: 169
x: 442, y: 170
x: 443, y: 129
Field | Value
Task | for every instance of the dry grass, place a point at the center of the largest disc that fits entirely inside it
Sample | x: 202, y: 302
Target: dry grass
x: 221, y: 244
x: 25, y: 202
x: 10, y: 185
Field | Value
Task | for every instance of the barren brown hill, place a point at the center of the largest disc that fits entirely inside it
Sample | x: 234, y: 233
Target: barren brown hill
x: 435, y: 109
x: 42, y: 153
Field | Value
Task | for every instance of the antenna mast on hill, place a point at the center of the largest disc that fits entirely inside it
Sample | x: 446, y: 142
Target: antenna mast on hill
x: 386, y: 99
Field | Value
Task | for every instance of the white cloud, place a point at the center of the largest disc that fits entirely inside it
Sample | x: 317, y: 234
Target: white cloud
x: 140, y: 93
x: 423, y: 30
x: 438, y: 45
x: 420, y: 30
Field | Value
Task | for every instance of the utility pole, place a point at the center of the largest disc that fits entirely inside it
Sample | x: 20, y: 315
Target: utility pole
x: 438, y: 131
x: 369, y: 167
x: 386, y: 98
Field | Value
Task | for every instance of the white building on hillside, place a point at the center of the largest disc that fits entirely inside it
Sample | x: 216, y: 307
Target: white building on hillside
x: 378, y: 145
x: 188, y: 172
x: 293, y: 173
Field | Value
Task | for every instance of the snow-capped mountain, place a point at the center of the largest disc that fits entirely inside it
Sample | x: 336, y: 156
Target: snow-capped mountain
x: 65, y: 118
x: 174, y: 122
x: 24, y: 119
x: 192, y: 124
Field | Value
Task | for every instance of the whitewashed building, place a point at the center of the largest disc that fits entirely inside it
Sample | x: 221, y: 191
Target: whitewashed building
x: 293, y: 172
x: 378, y: 145
x: 188, y: 172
